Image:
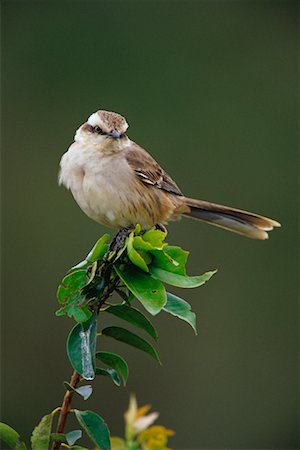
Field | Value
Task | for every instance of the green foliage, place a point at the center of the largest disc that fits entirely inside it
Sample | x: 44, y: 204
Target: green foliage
x: 95, y: 427
x: 133, y: 316
x: 180, y: 308
x: 135, y: 269
x: 126, y: 336
x: 110, y: 373
x: 149, y: 291
x: 40, y: 437
x: 116, y: 362
x: 81, y: 347
x: 180, y: 280
x: 69, y: 294
x: 11, y: 438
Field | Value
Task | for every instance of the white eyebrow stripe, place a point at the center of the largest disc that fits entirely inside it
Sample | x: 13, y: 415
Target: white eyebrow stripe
x: 93, y: 120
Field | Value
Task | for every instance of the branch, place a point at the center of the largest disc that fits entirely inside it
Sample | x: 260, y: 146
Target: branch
x: 75, y: 378
x: 65, y: 409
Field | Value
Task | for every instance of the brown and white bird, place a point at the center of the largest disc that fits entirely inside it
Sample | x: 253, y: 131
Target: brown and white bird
x: 118, y: 184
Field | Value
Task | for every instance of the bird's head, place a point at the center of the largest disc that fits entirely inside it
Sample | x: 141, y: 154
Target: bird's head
x: 103, y: 129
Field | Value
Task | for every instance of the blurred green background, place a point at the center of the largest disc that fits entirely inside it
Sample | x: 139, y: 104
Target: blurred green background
x: 209, y: 88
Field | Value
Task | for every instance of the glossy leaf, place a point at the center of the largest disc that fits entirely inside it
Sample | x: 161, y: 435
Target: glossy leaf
x: 79, y: 314
x: 140, y: 244
x: 95, y: 427
x: 172, y: 259
x: 134, y: 256
x: 59, y: 437
x: 116, y: 362
x: 143, y: 249
x: 81, y: 346
x: 155, y: 238
x: 83, y: 391
x: 180, y: 308
x: 70, y: 296
x: 99, y: 249
x: 73, y: 436
x: 110, y: 373
x: 149, y: 291
x: 180, y: 280
x: 11, y: 437
x: 133, y: 316
x: 82, y: 265
x: 40, y: 437
x: 123, y: 335
x: 71, y: 285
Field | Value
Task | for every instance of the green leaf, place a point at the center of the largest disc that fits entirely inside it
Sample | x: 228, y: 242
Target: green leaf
x: 81, y: 346
x: 69, y: 294
x: 83, y: 391
x: 71, y: 285
x: 99, y: 249
x: 11, y: 437
x: 180, y: 308
x: 135, y: 256
x: 172, y: 259
x: 180, y: 280
x: 133, y: 316
x: 123, y: 335
x: 59, y: 437
x: 79, y: 314
x: 82, y: 265
x: 95, y: 427
x: 155, y: 238
x: 73, y: 436
x: 116, y: 362
x: 40, y: 437
x: 143, y: 246
x: 149, y: 291
x: 111, y: 373
x: 147, y: 257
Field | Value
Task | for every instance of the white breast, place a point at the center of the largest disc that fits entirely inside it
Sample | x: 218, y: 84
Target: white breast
x: 100, y: 183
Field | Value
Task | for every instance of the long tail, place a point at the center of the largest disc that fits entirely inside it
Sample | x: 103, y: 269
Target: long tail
x: 236, y: 220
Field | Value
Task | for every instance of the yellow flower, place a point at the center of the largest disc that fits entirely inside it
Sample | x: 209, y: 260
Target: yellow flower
x: 154, y: 438
x: 137, y: 419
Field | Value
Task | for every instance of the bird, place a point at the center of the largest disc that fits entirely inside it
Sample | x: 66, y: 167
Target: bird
x: 119, y: 184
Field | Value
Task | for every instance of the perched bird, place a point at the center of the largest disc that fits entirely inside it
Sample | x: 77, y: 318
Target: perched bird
x: 118, y: 184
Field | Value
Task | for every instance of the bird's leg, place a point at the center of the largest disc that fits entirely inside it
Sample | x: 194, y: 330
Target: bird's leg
x: 161, y: 227
x: 119, y: 240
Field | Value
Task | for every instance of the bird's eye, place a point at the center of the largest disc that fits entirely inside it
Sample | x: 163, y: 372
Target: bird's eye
x: 98, y: 130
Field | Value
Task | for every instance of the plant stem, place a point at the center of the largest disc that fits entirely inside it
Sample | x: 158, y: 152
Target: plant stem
x: 65, y: 409
x: 75, y: 378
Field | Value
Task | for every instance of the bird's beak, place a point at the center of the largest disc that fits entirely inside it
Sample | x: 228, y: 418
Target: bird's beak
x: 114, y: 134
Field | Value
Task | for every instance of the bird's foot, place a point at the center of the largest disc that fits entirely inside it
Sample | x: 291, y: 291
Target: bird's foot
x: 118, y: 241
x: 161, y: 227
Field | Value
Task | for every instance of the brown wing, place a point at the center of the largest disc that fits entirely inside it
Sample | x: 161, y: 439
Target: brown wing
x: 148, y: 171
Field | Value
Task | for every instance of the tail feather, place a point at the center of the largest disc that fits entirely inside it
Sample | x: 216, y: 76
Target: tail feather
x: 236, y: 220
